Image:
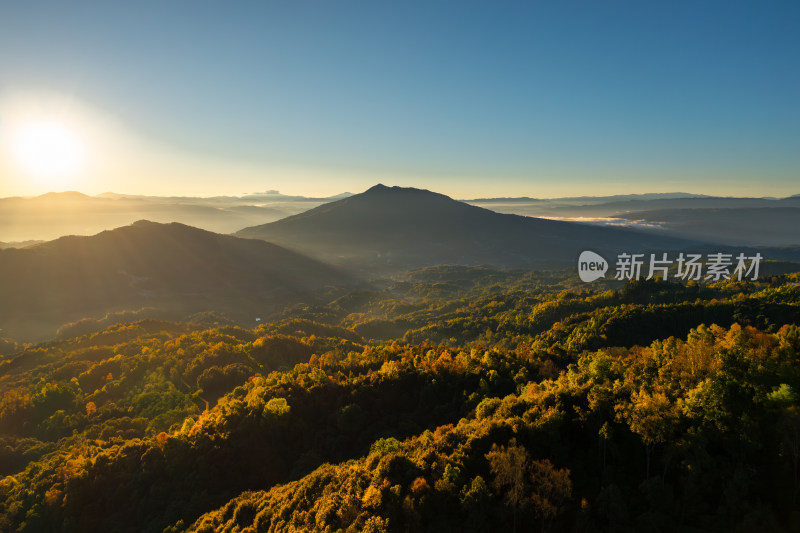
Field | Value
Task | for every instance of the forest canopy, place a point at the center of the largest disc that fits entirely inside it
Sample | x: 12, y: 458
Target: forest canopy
x: 456, y: 399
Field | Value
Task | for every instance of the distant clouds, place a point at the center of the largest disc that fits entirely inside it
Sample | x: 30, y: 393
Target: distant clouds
x: 610, y: 221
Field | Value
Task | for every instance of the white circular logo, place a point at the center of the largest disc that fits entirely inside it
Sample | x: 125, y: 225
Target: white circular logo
x: 591, y: 266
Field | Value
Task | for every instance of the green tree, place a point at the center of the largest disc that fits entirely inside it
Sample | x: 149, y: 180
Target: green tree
x: 651, y: 416
x: 509, y: 465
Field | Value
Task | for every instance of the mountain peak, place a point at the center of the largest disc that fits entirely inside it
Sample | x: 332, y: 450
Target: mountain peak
x: 144, y: 222
x: 390, y: 229
x: 383, y: 189
x: 66, y: 195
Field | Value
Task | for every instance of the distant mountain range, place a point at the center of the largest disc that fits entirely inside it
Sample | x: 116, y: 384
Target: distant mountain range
x: 18, y: 244
x: 53, y: 215
x: 387, y: 229
x: 753, y: 226
x: 169, y: 266
x: 614, y: 206
x: 27, y: 220
x: 589, y: 199
x: 731, y: 221
x: 266, y: 196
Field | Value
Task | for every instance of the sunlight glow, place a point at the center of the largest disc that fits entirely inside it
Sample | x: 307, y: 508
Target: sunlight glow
x: 48, y: 151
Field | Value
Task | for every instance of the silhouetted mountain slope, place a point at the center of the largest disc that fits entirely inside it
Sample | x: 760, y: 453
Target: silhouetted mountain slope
x: 169, y: 266
x: 394, y: 228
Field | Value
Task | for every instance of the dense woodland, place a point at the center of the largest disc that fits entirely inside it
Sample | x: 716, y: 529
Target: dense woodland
x: 451, y: 399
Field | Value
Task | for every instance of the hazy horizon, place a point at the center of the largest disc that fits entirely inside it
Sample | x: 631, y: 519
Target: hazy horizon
x: 311, y: 195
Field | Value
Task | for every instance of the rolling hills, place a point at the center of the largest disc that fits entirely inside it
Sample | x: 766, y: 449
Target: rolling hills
x: 172, y: 267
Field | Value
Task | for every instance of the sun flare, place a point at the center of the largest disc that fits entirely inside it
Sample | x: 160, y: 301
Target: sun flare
x: 48, y: 151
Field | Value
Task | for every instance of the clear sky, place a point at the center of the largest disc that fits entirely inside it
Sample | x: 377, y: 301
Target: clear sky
x: 551, y: 98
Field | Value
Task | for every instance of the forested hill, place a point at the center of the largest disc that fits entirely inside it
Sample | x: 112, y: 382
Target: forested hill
x: 460, y: 399
x: 394, y: 228
x: 170, y: 266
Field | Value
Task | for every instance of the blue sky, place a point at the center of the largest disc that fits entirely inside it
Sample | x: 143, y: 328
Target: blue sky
x: 466, y: 98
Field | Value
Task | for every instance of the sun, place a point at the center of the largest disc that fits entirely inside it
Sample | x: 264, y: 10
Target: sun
x: 48, y: 151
